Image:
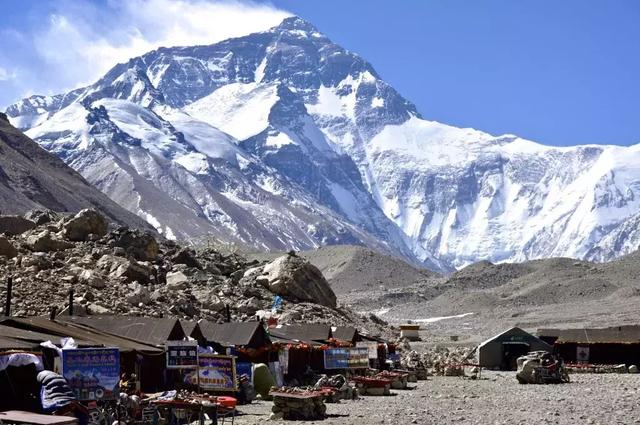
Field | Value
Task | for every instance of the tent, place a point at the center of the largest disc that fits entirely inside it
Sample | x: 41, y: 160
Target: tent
x: 502, y: 351
x: 613, y: 345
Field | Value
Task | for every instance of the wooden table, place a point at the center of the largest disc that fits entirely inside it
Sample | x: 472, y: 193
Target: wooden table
x: 20, y: 417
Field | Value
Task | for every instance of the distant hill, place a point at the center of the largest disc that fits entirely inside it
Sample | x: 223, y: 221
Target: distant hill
x: 351, y: 269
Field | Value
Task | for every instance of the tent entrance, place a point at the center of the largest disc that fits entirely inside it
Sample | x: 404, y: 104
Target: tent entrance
x: 510, y: 353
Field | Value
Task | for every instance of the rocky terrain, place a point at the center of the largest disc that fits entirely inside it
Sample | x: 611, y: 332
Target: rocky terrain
x: 351, y: 269
x: 488, y: 298
x: 495, y: 399
x: 32, y: 178
x: 125, y: 271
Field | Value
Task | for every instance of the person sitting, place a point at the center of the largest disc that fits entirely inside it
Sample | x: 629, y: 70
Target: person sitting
x: 57, y: 398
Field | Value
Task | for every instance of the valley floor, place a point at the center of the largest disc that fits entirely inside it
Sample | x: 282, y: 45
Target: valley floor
x: 495, y: 399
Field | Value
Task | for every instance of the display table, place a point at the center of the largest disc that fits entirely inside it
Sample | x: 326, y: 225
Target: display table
x: 20, y: 417
x: 298, y: 405
x: 197, y: 406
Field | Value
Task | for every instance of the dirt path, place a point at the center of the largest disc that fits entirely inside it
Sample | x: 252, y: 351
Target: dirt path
x: 497, y: 399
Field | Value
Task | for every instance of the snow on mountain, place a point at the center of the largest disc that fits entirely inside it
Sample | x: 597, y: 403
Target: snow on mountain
x: 284, y: 139
x: 241, y: 110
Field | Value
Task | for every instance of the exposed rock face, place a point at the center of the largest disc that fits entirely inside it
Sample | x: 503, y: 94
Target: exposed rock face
x: 15, y: 225
x: 87, y: 222
x: 40, y: 217
x: 141, y: 246
x: 6, y: 248
x: 294, y: 277
x: 33, y: 179
x: 45, y: 241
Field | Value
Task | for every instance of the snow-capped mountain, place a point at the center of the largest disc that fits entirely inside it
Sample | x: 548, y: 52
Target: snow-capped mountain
x: 283, y: 139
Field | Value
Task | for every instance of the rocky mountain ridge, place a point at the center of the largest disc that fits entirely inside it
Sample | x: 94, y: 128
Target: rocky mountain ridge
x: 283, y: 139
x: 31, y: 178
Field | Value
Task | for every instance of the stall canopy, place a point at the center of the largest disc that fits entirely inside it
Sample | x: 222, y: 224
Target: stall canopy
x: 87, y: 336
x: 146, y: 330
x: 238, y: 334
x: 310, y: 333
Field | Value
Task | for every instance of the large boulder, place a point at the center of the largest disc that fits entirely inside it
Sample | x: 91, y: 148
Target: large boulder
x: 86, y: 222
x: 6, y: 248
x: 13, y: 225
x: 177, y: 280
x: 41, y: 217
x: 133, y: 271
x: 92, y: 278
x: 294, y: 277
x: 125, y: 269
x: 45, y: 241
x: 208, y: 299
x: 141, y: 246
x: 138, y: 294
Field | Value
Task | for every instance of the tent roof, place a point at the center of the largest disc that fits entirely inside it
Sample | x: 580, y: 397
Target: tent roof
x: 31, y: 336
x: 515, y: 331
x: 228, y: 334
x: 80, y: 333
x: 188, y: 326
x: 15, y: 344
x: 306, y: 333
x: 629, y: 334
x: 345, y: 333
x: 147, y: 330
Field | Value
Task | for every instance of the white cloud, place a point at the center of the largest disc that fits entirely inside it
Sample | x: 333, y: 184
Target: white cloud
x: 6, y: 75
x: 81, y: 41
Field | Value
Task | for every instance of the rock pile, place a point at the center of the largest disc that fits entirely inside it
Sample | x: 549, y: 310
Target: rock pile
x: 129, y: 272
x: 439, y: 361
x: 294, y: 404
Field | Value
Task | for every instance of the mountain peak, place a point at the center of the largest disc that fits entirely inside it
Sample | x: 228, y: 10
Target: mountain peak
x: 295, y: 23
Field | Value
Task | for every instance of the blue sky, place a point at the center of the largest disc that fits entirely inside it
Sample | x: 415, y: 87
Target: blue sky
x: 557, y: 72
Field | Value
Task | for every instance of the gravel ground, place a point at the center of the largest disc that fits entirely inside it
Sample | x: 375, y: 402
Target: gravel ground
x: 495, y: 399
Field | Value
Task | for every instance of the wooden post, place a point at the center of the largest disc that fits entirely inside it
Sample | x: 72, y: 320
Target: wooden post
x: 70, y: 302
x: 7, y: 306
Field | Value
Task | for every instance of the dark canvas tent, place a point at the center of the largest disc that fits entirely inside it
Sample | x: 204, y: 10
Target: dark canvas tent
x: 613, y: 345
x: 238, y: 334
x: 310, y: 333
x: 146, y: 366
x: 249, y: 340
x: 503, y: 350
x: 147, y: 330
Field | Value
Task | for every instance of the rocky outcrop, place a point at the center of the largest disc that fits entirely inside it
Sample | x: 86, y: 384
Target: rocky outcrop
x: 186, y: 283
x: 45, y: 241
x: 295, y: 278
x: 141, y: 246
x: 87, y: 224
x: 6, y: 248
x: 13, y: 225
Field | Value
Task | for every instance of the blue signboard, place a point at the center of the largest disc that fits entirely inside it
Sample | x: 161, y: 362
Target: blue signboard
x: 244, y: 368
x: 92, y: 373
x: 217, y: 372
x: 336, y: 358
